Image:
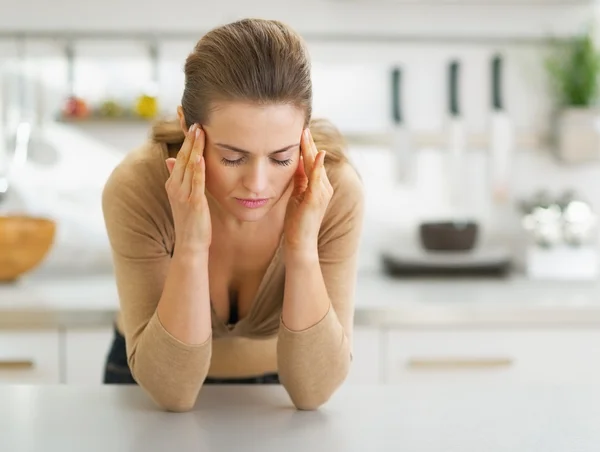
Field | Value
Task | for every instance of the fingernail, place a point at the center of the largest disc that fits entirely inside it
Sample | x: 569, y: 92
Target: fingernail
x: 198, y: 133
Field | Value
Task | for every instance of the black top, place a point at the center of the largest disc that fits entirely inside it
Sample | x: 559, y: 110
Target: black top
x: 233, y: 309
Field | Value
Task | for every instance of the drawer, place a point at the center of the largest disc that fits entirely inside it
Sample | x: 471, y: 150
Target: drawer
x: 30, y: 356
x: 86, y: 351
x: 536, y: 356
x: 366, y: 364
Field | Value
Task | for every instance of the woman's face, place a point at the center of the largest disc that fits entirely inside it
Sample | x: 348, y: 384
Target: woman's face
x: 251, y: 155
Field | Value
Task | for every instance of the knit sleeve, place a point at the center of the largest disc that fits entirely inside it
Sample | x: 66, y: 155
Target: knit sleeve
x: 314, y: 362
x: 170, y: 371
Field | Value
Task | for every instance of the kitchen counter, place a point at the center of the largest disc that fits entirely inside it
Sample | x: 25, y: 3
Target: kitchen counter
x: 381, y: 301
x: 415, y: 417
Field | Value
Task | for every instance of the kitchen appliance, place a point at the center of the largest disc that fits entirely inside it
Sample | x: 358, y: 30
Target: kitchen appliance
x: 457, y: 232
x: 457, y: 140
x: 412, y: 262
x: 448, y: 235
x: 450, y: 245
x: 401, y: 145
x: 502, y: 138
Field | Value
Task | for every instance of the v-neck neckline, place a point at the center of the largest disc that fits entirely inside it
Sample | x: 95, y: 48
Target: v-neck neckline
x: 228, y: 328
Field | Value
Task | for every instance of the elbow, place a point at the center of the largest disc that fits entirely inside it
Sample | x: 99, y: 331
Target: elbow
x: 310, y: 394
x: 174, y: 404
x: 307, y: 401
x: 310, y: 386
x: 170, y: 397
x: 167, y: 394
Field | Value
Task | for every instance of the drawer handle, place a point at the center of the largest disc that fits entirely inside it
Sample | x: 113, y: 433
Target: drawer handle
x: 458, y: 363
x: 16, y: 364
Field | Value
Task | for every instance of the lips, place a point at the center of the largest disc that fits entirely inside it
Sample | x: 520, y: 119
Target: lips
x: 252, y: 203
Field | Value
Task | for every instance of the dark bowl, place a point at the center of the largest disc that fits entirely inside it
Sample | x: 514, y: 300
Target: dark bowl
x: 448, y: 235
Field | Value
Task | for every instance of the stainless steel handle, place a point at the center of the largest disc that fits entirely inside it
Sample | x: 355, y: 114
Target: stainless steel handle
x: 459, y: 363
x: 16, y: 364
x: 20, y: 155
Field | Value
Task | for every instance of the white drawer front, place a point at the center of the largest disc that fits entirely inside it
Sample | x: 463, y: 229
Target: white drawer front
x: 30, y: 356
x: 86, y: 353
x: 548, y: 356
x: 366, y: 365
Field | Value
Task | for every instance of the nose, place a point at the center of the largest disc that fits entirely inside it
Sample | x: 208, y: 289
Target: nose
x: 256, y: 178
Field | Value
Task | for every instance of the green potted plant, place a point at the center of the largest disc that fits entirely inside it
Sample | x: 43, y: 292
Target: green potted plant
x: 574, y: 70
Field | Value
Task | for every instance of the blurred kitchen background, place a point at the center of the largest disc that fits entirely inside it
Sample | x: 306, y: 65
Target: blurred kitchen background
x: 473, y: 123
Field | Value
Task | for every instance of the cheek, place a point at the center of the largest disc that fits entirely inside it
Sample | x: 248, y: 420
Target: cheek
x: 218, y: 179
x: 283, y: 176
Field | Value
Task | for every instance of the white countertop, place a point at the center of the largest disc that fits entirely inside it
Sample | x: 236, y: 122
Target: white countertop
x: 381, y: 301
x: 415, y: 417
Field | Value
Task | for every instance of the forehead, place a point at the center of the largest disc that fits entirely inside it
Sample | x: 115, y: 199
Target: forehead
x: 255, y: 128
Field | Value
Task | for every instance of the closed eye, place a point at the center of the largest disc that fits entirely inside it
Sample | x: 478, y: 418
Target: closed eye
x: 238, y: 162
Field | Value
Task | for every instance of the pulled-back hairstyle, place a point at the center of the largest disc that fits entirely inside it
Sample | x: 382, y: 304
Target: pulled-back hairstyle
x: 250, y: 60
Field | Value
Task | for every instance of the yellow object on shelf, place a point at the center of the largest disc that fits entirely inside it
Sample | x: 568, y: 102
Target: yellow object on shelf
x: 146, y: 106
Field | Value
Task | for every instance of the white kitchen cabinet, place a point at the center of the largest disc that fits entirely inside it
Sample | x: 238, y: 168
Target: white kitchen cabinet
x: 526, y: 356
x: 367, y: 359
x: 30, y: 356
x: 85, y: 354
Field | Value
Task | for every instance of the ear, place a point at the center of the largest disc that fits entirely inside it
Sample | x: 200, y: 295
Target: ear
x: 181, y: 118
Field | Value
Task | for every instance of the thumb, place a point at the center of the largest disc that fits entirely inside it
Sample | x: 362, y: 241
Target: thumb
x: 170, y: 164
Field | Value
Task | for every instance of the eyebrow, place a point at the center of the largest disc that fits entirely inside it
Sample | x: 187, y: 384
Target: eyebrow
x: 242, y: 151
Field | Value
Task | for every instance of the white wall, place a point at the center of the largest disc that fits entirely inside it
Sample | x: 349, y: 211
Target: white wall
x: 490, y: 17
x: 351, y: 77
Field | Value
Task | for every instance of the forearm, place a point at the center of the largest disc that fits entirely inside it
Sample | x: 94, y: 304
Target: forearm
x: 172, y: 356
x: 305, y: 299
x: 313, y: 351
x: 184, y: 307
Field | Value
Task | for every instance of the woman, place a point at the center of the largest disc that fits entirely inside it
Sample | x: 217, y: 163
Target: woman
x: 235, y: 231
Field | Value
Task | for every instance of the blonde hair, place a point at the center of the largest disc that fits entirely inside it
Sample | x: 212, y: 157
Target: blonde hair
x: 251, y: 60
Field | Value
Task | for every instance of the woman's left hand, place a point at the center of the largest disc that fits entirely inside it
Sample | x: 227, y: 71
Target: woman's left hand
x: 309, y: 200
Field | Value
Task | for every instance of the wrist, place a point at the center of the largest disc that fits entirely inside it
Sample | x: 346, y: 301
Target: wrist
x: 302, y: 256
x: 190, y: 255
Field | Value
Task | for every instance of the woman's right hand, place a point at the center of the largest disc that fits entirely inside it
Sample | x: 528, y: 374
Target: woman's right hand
x: 185, y: 188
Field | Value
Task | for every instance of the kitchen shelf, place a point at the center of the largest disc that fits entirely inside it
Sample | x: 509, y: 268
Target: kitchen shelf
x: 105, y: 120
x: 524, y: 140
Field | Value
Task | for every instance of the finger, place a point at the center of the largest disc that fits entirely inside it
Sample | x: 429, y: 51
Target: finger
x: 313, y: 147
x: 198, y: 182
x: 305, y: 147
x: 184, y: 155
x: 316, y: 175
x: 300, y: 180
x: 170, y: 164
x: 193, y: 161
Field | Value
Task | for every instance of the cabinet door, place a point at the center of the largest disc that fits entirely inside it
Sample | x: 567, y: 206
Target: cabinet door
x: 366, y: 365
x: 532, y: 356
x: 30, y: 356
x: 85, y: 352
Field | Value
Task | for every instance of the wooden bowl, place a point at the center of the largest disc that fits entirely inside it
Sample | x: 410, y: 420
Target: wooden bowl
x: 24, y: 243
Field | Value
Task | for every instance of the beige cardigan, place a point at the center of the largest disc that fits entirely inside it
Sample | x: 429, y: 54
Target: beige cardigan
x: 311, y: 363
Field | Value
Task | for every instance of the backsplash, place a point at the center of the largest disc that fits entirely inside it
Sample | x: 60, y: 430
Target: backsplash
x: 352, y: 87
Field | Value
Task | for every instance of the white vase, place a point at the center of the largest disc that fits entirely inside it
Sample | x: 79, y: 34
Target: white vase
x: 577, y: 135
